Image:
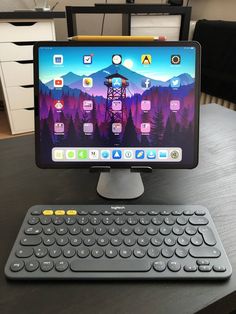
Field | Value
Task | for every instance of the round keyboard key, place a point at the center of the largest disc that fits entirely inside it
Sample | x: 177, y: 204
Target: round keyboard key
x: 125, y: 252
x: 48, y: 241
x: 132, y: 221
x: 153, y: 212
x: 197, y: 240
x: 95, y: 220
x: 94, y: 212
x: 159, y: 266
x: 169, y: 220
x: 89, y: 241
x: 100, y: 230
x: 157, y: 220
x: 107, y: 220
x: 165, y: 212
x: 62, y: 241
x: 82, y: 212
x: 143, y: 241
x: 167, y: 252
x: 54, y: 252
x: 181, y: 220
x: 97, y: 252
x: 82, y: 220
x: 181, y: 252
x: 126, y: 230
x: 40, y: 251
x: 219, y: 268
x: 200, y: 212
x: 183, y: 240
x: 190, y: 268
x: 31, y: 265
x: 46, y: 266
x: 153, y: 252
x: 139, y: 230
x: 174, y: 266
x: 33, y: 220
x: 120, y: 220
x: 61, y: 230
x: 48, y: 230
x: 142, y: 212
x: 70, y: 220
x: 129, y: 241
x: 24, y: 252
x: 36, y: 212
x: 129, y: 212
x: 106, y: 213
x: 191, y: 230
x: 83, y: 252
x: 61, y: 265
x: 75, y: 241
x: 113, y: 230
x: 102, y: 241
x: 118, y: 212
x: 177, y: 230
x: 177, y: 212
x: 139, y: 253
x: 17, y: 266
x: 170, y: 240
x: 69, y: 252
x: 152, y: 230
x: 57, y: 220
x: 188, y: 212
x: 33, y: 230
x: 74, y: 230
x: 45, y: 220
x: 111, y: 252
x: 165, y: 230
x: 145, y: 220
x: 157, y: 241
x: 87, y: 230
x: 116, y: 241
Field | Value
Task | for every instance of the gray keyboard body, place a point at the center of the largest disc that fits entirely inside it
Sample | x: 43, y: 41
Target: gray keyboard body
x: 118, y: 242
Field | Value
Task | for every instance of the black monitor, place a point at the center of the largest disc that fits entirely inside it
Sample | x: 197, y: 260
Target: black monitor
x: 118, y: 105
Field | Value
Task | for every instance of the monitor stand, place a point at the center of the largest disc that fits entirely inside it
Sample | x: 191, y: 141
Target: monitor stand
x: 120, y: 184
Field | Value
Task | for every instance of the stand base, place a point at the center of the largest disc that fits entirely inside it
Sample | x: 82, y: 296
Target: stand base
x: 120, y: 184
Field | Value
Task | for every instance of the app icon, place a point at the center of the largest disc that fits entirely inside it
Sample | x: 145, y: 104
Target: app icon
x: 151, y: 154
x: 163, y: 154
x: 116, y: 59
x: 174, y: 105
x: 82, y: 154
x: 87, y: 82
x: 93, y: 154
x: 58, y: 154
x: 145, y: 127
x: 139, y: 154
x: 145, y: 105
x: 58, y: 59
x: 59, y: 127
x: 174, y: 154
x: 58, y: 104
x: 146, y: 59
x: 146, y: 83
x: 58, y: 82
x: 116, y: 127
x: 116, y: 82
x: 116, y: 154
x: 175, y: 59
x: 105, y: 154
x: 88, y: 127
x: 87, y: 59
x: 88, y: 105
x: 116, y: 105
x: 175, y: 82
x: 128, y: 154
x: 70, y: 154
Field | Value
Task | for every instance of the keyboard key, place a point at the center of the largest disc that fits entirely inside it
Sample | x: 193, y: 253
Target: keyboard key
x: 89, y: 241
x: 24, y: 252
x: 33, y: 230
x: 62, y: 241
x: 170, y: 240
x: 45, y: 220
x: 159, y: 266
x: 40, y: 251
x: 87, y: 230
x: 129, y: 241
x: 165, y: 212
x: 102, y: 241
x: 111, y: 252
x: 190, y: 268
x: 69, y: 252
x: 71, y: 212
x: 204, y: 251
x: 144, y: 220
x: 61, y: 230
x: 167, y: 252
x: 183, y: 240
x: 75, y: 241
x: 153, y: 212
x: 129, y: 212
x: 57, y: 220
x: 17, y: 265
x: 70, y: 220
x: 61, y: 265
x: 46, y: 266
x: 208, y: 235
x: 142, y: 212
x: 139, y: 253
x: 116, y: 265
x: 33, y: 220
x: 48, y: 241
x: 95, y: 220
x: 120, y: 221
x: 177, y: 212
x: 181, y: 252
x: 74, y: 230
x: 203, y: 262
x: 31, y: 265
x: 118, y: 212
x: 94, y: 212
x: 188, y: 212
x: 152, y: 230
x: 219, y: 268
x: 157, y: 220
x: 126, y: 230
x: 139, y: 230
x: 143, y: 241
x: 191, y: 230
x: 36, y: 212
x: 48, y: 230
x: 169, y: 220
x: 113, y: 230
x: 100, y: 230
x: 107, y: 220
x: 132, y: 221
x: 60, y: 212
x: 200, y: 212
x: 116, y: 241
x: 31, y: 240
x: 82, y: 220
x: 181, y: 220
x: 97, y: 252
x: 153, y: 252
x: 194, y: 220
x: 204, y: 268
x: 82, y: 212
x: 174, y: 266
x: 55, y: 252
x: 197, y: 240
x: 47, y: 212
x: 165, y: 230
x: 83, y: 252
x: 157, y: 241
x: 125, y: 252
x: 177, y: 230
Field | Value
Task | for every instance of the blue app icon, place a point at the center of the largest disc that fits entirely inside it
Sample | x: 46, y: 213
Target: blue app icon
x: 151, y: 154
x: 116, y: 82
x: 116, y: 154
x: 175, y: 82
x: 105, y: 154
x: 146, y: 83
x: 139, y: 154
x: 163, y: 154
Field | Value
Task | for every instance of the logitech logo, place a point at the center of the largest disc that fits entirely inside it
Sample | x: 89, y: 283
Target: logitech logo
x: 117, y: 207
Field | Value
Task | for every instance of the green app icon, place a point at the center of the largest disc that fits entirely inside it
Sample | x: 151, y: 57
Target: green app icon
x: 82, y: 154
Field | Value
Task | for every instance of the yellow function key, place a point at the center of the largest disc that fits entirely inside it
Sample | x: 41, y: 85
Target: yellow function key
x: 71, y: 212
x: 48, y: 212
x: 59, y: 212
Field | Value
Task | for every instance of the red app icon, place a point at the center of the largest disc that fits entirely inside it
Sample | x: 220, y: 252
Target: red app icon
x: 58, y: 104
x: 58, y: 82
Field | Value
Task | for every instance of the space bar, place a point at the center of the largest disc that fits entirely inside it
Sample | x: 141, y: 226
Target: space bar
x: 110, y: 265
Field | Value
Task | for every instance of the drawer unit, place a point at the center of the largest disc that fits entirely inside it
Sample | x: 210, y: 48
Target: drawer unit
x: 20, y: 97
x: 16, y: 51
x: 22, y: 120
x: 17, y: 74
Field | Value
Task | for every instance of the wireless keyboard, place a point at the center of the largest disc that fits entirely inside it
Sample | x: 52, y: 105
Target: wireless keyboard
x: 104, y: 242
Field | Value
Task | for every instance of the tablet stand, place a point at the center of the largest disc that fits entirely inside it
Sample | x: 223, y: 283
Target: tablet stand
x: 120, y: 183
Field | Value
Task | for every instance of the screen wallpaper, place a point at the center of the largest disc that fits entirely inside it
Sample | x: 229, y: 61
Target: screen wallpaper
x: 116, y: 104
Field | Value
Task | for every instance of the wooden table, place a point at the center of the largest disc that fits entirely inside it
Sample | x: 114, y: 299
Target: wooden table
x: 211, y: 184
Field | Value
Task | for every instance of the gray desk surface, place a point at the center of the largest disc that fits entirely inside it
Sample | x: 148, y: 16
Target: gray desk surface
x: 211, y: 184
